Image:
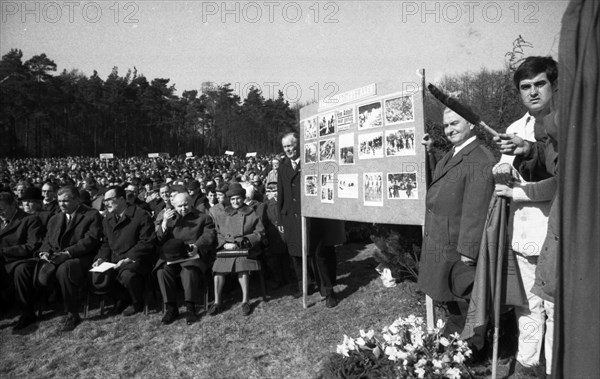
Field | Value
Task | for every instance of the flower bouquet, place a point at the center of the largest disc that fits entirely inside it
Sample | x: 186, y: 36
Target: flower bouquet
x: 405, y: 350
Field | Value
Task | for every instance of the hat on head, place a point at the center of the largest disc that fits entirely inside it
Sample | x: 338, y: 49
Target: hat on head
x: 222, y: 189
x: 174, y: 249
x: 194, y: 185
x: 236, y: 189
x: 32, y: 193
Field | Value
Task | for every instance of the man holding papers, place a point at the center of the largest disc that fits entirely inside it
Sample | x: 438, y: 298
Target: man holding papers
x: 196, y: 232
x: 129, y: 244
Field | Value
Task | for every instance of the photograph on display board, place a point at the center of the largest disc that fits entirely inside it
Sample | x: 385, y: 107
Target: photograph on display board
x: 400, y: 142
x: 370, y: 116
x: 310, y: 128
x: 402, y: 186
x: 346, y: 149
x: 310, y: 185
x: 370, y: 145
x: 327, y: 188
x: 398, y: 110
x: 327, y: 150
x: 344, y: 118
x: 310, y: 152
x: 373, y: 188
x: 326, y: 124
x: 347, y: 186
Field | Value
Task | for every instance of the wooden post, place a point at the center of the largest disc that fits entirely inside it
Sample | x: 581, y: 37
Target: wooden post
x: 304, y: 263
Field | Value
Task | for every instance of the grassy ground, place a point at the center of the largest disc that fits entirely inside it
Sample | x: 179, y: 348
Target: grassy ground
x: 279, y: 339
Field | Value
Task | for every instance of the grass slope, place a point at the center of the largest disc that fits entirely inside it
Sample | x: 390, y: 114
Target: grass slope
x: 279, y: 339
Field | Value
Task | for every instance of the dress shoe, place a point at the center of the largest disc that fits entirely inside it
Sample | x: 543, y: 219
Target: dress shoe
x: 214, y: 309
x: 331, y: 301
x: 120, y: 307
x: 246, y: 309
x: 70, y: 322
x: 190, y: 316
x: 171, y: 315
x: 25, y: 320
x: 133, y: 309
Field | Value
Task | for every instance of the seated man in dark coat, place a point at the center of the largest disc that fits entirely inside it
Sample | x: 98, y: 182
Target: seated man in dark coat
x: 71, y: 241
x: 197, y: 231
x: 20, y: 236
x: 129, y: 243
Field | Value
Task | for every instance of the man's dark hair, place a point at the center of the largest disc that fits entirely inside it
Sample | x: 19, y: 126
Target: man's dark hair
x: 533, y: 66
x: 119, y: 191
x: 69, y: 189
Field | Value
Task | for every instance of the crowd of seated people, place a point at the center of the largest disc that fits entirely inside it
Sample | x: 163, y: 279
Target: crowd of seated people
x: 160, y: 220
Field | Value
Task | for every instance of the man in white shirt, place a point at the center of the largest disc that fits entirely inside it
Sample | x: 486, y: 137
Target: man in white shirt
x: 537, y: 80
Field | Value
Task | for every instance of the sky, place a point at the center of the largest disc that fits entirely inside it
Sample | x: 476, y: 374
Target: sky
x: 308, y: 49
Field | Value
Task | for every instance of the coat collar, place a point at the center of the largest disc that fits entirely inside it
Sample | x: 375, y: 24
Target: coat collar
x: 243, y: 210
x: 14, y: 221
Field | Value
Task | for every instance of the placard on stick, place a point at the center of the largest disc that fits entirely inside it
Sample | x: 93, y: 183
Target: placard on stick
x: 362, y: 157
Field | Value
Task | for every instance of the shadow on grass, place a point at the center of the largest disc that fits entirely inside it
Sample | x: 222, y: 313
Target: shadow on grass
x: 354, y: 269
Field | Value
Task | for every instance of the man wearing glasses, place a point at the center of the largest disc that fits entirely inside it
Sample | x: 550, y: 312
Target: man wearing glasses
x: 129, y: 243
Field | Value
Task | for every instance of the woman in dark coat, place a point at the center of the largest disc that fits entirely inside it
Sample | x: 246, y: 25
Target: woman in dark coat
x: 239, y: 233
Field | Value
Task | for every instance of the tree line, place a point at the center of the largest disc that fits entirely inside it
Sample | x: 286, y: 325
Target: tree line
x: 73, y: 114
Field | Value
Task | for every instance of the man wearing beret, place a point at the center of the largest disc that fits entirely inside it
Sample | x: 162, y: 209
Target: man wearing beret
x: 197, y: 231
x: 129, y: 243
x: 457, y: 203
x: 20, y: 236
x: 72, y: 240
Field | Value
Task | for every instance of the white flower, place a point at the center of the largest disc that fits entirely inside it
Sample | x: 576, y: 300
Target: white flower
x: 456, y: 336
x: 409, y: 348
x: 416, y: 337
x: 394, y: 354
x: 437, y: 363
x: 444, y: 341
x: 420, y: 372
x: 393, y: 329
x: 343, y: 350
x: 367, y: 335
x: 392, y: 339
x: 421, y: 362
x: 361, y: 342
x: 459, y: 358
x: 440, y: 323
x: 346, y: 346
x: 453, y: 373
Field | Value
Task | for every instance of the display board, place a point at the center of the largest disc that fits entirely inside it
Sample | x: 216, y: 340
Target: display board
x: 361, y: 155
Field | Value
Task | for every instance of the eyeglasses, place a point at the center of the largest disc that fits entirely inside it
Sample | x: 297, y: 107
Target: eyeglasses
x: 109, y: 199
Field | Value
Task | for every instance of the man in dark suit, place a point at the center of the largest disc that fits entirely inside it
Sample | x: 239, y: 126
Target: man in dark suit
x: 49, y: 193
x: 457, y: 203
x: 129, y: 243
x: 197, y: 231
x: 20, y: 236
x: 71, y: 241
x: 323, y: 234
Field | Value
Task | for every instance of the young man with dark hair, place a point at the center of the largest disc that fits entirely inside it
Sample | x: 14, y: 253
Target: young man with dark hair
x: 537, y: 80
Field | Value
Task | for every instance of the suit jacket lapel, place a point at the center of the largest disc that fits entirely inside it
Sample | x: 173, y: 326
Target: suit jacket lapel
x: 12, y: 224
x: 449, y: 161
